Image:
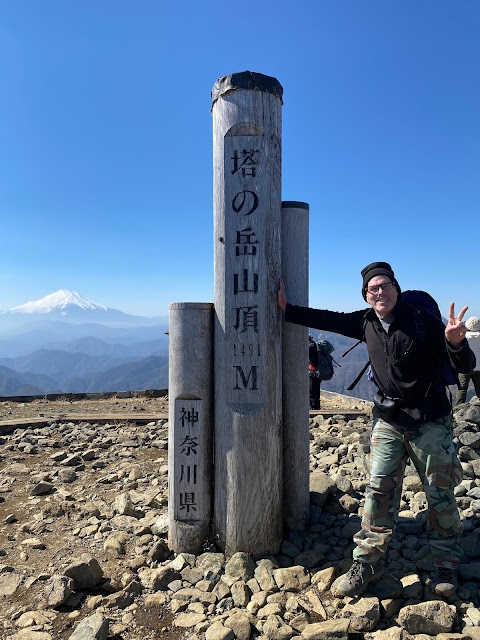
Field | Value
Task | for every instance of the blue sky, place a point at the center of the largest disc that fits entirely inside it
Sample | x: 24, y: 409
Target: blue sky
x: 106, y: 143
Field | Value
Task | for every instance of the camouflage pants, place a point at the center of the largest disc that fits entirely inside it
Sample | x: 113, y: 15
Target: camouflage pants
x: 433, y: 452
x: 463, y: 380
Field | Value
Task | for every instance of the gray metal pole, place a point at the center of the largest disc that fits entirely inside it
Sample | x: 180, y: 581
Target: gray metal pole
x: 296, y: 494
x: 246, y: 109
x: 190, y: 390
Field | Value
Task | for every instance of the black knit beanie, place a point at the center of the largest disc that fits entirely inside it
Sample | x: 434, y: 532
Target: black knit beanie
x: 377, y: 269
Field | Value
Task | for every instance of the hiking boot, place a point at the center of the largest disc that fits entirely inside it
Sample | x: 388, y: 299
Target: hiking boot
x: 445, y: 581
x: 359, y: 577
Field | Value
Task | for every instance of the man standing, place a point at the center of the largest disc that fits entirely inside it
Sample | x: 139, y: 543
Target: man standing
x: 412, y: 418
x: 473, y: 336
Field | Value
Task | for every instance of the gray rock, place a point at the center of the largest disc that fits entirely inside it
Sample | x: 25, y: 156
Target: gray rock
x: 158, y: 579
x: 387, y: 587
x: 311, y: 603
x: 466, y: 454
x: 241, y: 594
x: 95, y: 627
x: 159, y: 552
x: 191, y: 575
x: 412, y: 587
x: 342, y: 483
x: 188, y: 620
x: 86, y: 573
x: 34, y: 618
x: 394, y: 633
x: 300, y: 622
x: 160, y: 526
x: 240, y: 565
x: 321, y: 488
x: 240, y: 625
x: 218, y: 632
x: 291, y: 578
x: 221, y: 590
x: 59, y: 590
x: 349, y: 504
x: 364, y: 613
x: 42, y: 488
x: 470, y: 439
x: 271, y: 609
x: 323, y: 579
x: 195, y: 595
x: 113, y: 547
x: 9, y: 583
x: 118, y: 600
x: 308, y: 559
x: 473, y: 414
x: 123, y: 506
x: 474, y: 616
x: 210, y: 562
x: 329, y: 630
x: 471, y: 469
x: 67, y: 475
x: 275, y: 629
x: 264, y: 577
x: 289, y: 549
x: 350, y: 529
x: 469, y: 572
x: 257, y: 601
x: 431, y: 617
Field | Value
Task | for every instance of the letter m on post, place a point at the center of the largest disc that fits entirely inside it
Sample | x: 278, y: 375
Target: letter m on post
x: 240, y: 378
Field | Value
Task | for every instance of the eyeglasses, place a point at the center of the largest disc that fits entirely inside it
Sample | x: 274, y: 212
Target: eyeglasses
x: 385, y: 286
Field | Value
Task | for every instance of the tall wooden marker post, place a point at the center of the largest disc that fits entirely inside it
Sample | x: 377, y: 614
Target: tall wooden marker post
x: 260, y: 459
x: 246, y: 109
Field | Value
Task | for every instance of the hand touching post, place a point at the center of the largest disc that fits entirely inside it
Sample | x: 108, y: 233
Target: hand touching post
x: 282, y: 296
x: 455, y: 330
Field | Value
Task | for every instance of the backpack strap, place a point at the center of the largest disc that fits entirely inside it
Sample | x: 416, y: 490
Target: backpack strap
x: 360, y: 341
x: 348, y: 350
x: 357, y: 379
x: 419, y: 324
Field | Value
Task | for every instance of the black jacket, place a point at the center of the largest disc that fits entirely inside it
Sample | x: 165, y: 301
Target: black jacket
x: 405, y: 365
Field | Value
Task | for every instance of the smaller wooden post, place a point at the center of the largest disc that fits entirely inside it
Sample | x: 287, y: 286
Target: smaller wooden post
x: 190, y: 425
x: 296, y: 494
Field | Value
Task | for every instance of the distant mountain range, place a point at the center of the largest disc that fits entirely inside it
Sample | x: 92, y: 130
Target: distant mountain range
x: 66, y: 343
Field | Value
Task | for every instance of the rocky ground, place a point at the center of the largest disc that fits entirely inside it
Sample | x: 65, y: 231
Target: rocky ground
x: 84, y: 553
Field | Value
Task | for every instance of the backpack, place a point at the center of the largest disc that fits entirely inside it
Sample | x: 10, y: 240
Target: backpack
x: 422, y: 301
x: 325, y: 360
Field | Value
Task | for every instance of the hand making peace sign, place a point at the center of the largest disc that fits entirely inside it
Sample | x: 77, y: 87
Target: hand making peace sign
x: 455, y: 330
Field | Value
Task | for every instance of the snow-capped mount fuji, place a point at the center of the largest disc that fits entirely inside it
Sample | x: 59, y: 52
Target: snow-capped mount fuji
x: 69, y: 306
x: 62, y: 300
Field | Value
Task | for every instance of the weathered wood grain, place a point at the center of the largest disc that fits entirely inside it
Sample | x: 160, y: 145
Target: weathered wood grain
x: 296, y: 494
x: 247, y: 325
x: 190, y: 429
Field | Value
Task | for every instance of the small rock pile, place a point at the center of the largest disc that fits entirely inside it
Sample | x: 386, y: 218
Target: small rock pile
x: 83, y: 529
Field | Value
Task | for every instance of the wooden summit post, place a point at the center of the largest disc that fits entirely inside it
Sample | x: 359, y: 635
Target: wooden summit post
x: 296, y: 436
x: 190, y: 461
x: 246, y: 109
